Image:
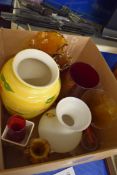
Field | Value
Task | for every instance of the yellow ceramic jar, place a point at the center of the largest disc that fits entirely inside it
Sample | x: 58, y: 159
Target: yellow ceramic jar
x: 30, y: 83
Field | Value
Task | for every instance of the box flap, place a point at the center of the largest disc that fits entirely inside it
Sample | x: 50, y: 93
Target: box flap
x: 11, y: 42
x: 91, y: 54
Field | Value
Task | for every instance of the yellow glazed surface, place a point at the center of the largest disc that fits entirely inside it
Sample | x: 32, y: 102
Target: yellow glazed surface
x: 22, y: 99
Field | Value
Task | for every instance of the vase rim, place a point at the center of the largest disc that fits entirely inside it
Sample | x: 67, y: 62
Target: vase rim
x: 40, y: 56
x: 76, y: 109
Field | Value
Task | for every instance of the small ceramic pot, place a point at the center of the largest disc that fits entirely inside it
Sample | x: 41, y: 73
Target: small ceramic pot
x: 62, y: 127
x: 30, y: 83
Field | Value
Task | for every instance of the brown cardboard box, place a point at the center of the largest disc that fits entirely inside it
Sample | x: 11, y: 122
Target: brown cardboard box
x: 12, y: 159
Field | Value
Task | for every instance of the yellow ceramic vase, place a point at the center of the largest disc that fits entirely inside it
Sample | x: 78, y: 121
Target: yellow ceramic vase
x: 30, y: 83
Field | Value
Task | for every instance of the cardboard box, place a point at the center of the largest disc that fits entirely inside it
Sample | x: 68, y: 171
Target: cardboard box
x: 12, y: 159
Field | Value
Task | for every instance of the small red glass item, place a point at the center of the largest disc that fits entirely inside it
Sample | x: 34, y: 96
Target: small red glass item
x: 89, y: 139
x: 114, y: 69
x: 16, y: 128
x: 79, y: 78
x: 84, y: 75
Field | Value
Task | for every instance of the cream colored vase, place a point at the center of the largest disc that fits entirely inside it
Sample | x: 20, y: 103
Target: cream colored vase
x: 30, y: 83
x: 62, y: 127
